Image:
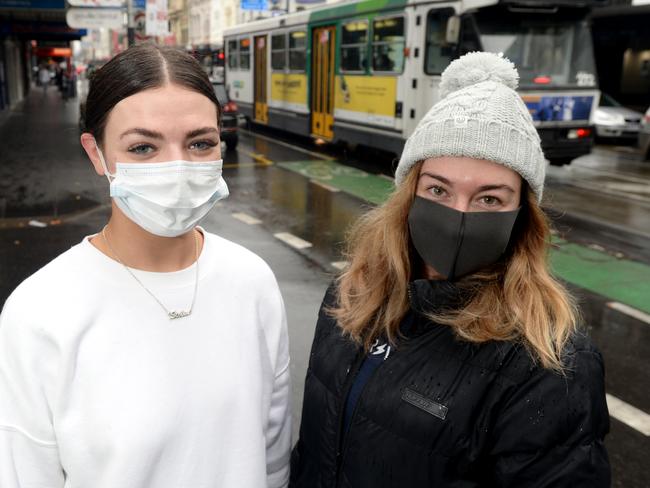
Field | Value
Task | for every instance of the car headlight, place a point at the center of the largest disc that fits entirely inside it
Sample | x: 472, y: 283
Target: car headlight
x: 604, y: 118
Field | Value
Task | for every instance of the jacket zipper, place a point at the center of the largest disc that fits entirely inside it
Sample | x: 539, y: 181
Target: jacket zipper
x: 349, y: 382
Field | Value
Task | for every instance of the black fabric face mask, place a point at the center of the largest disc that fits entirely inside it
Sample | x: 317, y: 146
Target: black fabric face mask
x: 458, y: 243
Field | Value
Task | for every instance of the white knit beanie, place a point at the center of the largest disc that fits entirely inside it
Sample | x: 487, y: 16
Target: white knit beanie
x: 481, y: 116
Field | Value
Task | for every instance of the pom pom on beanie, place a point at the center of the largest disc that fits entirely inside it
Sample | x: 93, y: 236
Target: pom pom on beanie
x: 475, y: 68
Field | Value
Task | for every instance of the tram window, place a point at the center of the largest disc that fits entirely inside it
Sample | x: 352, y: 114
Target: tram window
x: 232, y: 55
x: 438, y: 52
x: 279, y: 52
x: 245, y: 53
x: 354, y: 46
x: 388, y: 45
x: 297, y: 53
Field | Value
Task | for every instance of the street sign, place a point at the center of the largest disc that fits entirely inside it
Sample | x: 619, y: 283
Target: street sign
x: 96, y: 3
x: 254, y: 5
x: 95, y: 18
x: 157, y: 23
x: 30, y: 4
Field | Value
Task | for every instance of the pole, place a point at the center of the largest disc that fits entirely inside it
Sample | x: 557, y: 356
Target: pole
x: 130, y: 29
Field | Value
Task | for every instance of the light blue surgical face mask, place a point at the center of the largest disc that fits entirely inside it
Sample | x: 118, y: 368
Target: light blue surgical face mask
x: 167, y: 199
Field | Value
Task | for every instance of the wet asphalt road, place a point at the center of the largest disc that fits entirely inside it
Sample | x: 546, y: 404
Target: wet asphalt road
x: 601, y: 202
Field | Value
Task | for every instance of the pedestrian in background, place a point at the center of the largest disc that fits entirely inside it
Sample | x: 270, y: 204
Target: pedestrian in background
x: 44, y: 77
x: 153, y: 353
x: 447, y: 354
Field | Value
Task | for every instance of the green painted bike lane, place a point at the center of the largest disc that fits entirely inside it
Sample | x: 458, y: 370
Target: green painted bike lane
x: 617, y: 279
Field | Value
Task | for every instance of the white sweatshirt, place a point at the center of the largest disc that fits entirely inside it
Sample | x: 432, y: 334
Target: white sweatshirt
x: 100, y: 389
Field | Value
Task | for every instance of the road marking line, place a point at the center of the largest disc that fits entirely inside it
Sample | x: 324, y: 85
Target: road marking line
x: 630, y: 311
x: 340, y: 265
x: 244, y: 165
x: 245, y: 218
x: 323, y: 185
x: 261, y: 159
x: 293, y: 241
x: 36, y: 223
x: 629, y: 415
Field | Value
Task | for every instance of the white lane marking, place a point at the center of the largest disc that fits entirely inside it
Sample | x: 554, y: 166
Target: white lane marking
x: 37, y: 223
x: 629, y: 415
x: 341, y: 265
x: 323, y: 185
x: 245, y: 218
x: 293, y: 241
x: 630, y: 311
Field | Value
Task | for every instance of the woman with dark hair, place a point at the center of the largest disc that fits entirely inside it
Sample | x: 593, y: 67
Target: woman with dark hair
x: 153, y: 353
x: 446, y: 354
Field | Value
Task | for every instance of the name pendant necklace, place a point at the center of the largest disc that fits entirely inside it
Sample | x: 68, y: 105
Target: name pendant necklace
x: 171, y: 314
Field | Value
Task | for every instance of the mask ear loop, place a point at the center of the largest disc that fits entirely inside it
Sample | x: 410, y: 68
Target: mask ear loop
x: 107, y: 173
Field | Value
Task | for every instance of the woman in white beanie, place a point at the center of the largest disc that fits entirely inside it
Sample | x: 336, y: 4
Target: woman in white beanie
x: 446, y: 354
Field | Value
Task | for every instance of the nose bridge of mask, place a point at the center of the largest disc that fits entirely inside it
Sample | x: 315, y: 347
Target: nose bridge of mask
x: 460, y: 237
x: 179, y: 183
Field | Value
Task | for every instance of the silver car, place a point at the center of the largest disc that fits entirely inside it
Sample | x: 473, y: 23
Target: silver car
x: 644, y: 136
x: 615, y: 121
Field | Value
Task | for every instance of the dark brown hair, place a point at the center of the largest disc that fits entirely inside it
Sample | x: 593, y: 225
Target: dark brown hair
x: 140, y: 68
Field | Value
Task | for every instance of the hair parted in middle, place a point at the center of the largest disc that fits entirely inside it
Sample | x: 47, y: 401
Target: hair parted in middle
x: 515, y: 299
x: 141, y: 67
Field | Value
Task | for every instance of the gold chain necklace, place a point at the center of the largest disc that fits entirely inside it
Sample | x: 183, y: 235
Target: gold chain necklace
x: 172, y: 314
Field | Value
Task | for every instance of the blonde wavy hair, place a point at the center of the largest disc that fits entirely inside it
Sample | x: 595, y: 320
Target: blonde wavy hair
x: 517, y: 299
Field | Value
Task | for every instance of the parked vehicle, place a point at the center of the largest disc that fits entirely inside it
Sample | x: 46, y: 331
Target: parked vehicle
x: 614, y: 121
x: 229, y: 116
x: 644, y: 136
x: 365, y: 72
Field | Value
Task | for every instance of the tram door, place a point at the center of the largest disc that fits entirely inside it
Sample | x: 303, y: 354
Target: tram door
x: 322, y: 84
x: 260, y: 77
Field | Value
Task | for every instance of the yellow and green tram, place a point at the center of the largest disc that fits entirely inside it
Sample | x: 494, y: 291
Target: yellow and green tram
x: 365, y: 72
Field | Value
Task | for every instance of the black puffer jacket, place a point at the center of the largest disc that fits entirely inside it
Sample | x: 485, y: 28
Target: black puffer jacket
x: 441, y: 412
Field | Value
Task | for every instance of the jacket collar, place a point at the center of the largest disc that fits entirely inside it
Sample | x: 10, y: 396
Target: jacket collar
x: 427, y: 296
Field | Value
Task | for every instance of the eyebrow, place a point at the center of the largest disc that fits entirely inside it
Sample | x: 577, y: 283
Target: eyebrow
x: 202, y: 131
x: 157, y: 135
x: 479, y: 189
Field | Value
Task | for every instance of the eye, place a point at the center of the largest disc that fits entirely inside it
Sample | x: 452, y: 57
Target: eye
x: 141, y: 149
x: 490, y: 201
x: 437, y: 191
x: 203, y: 145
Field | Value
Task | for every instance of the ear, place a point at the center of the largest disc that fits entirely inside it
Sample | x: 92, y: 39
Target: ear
x: 89, y: 145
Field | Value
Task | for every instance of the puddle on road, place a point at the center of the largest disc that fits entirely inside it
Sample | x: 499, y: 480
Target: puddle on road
x: 67, y: 203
